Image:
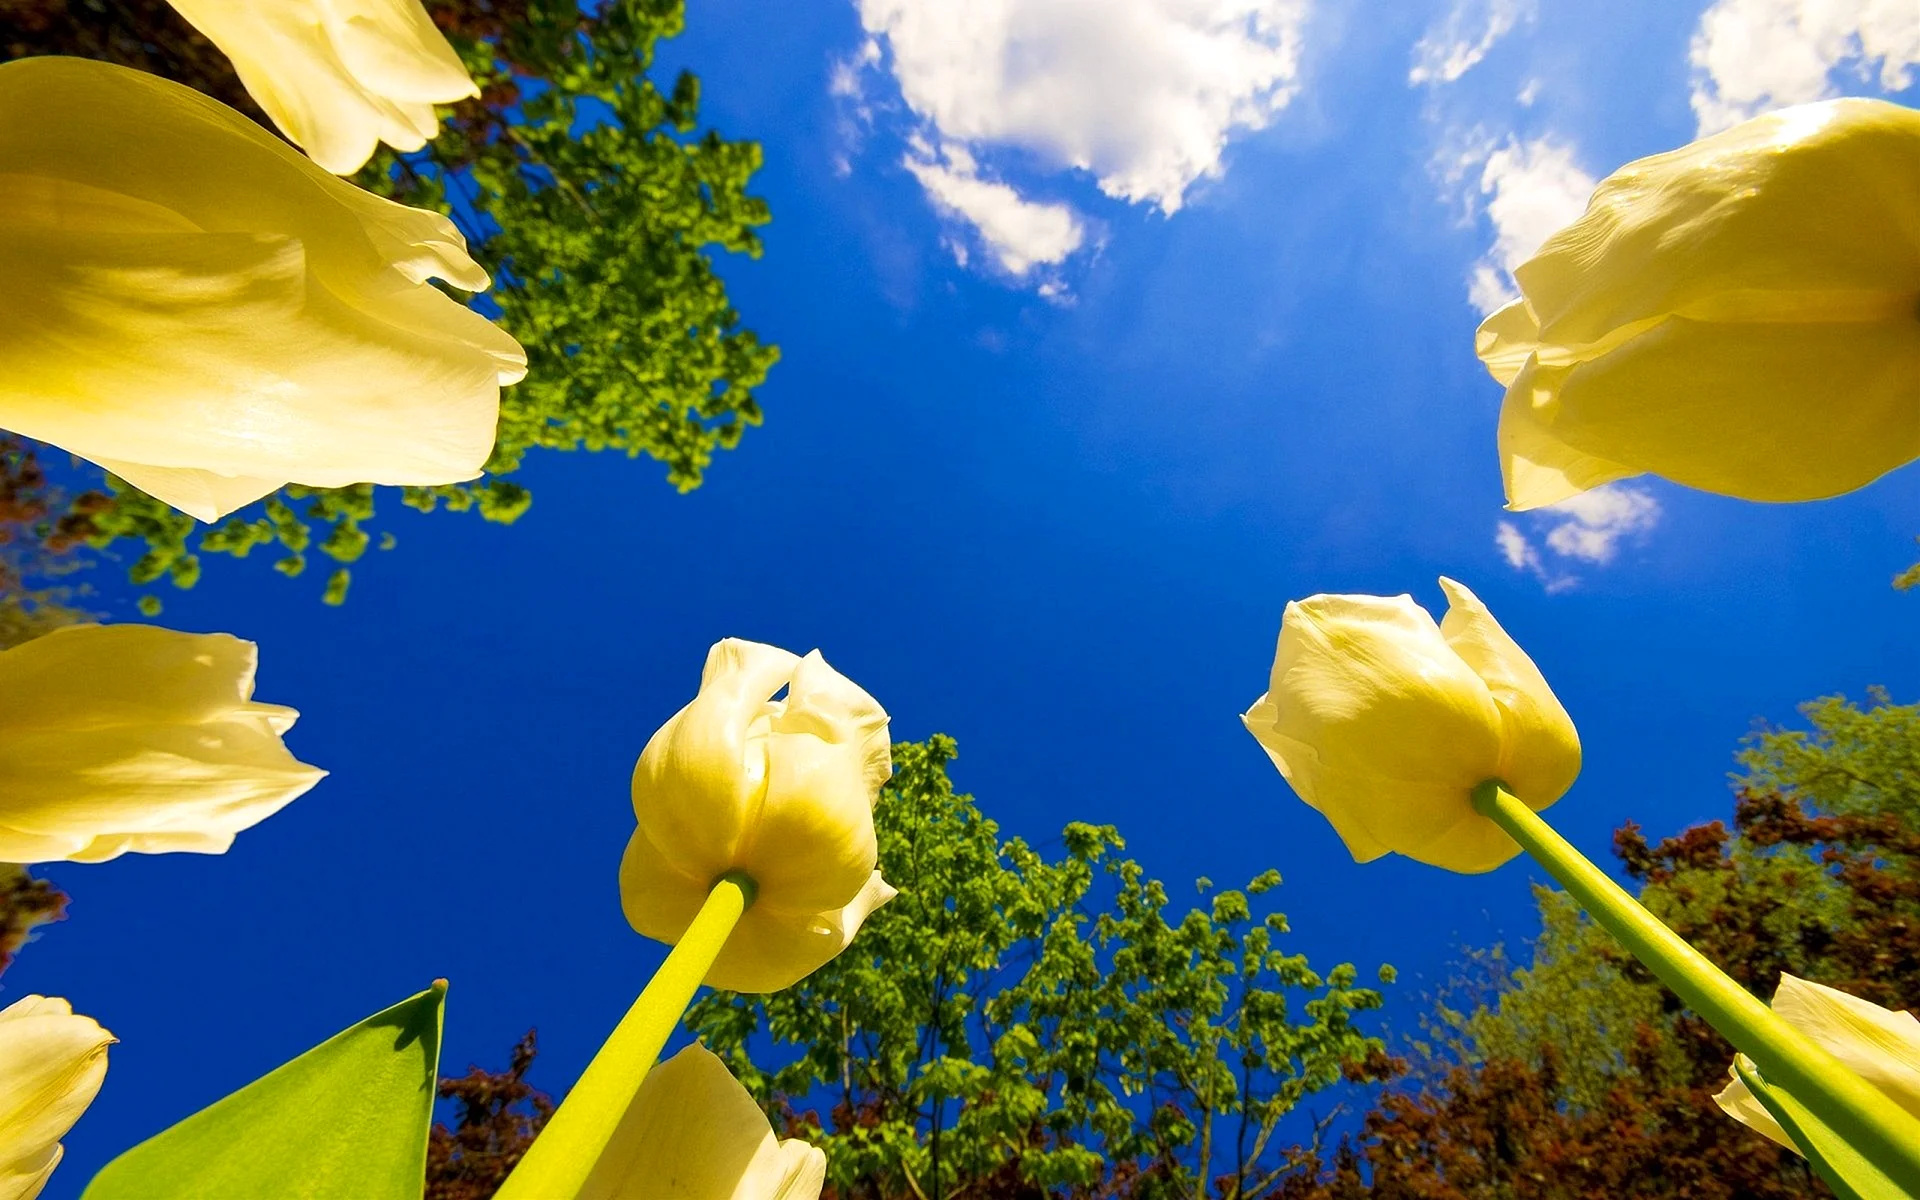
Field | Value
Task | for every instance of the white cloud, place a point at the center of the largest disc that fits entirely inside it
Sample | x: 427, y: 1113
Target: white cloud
x: 1143, y: 95
x: 1528, y: 191
x: 1519, y: 552
x: 1752, y: 55
x: 1020, y: 233
x: 1597, y: 520
x: 1457, y: 44
x: 1587, y: 528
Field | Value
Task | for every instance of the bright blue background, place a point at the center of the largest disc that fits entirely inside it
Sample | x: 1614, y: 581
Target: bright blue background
x: 1063, y: 534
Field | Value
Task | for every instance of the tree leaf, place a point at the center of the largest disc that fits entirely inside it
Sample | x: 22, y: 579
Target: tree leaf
x: 1841, y: 1167
x: 347, y: 1120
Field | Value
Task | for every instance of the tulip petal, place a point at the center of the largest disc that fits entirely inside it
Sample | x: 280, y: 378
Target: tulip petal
x: 272, y: 385
x: 774, y: 948
x: 1539, y: 748
x: 51, y: 1065
x: 693, y: 1133
x: 126, y: 738
x: 813, y: 845
x: 1880, y: 1045
x: 1299, y: 765
x: 199, y: 307
x: 1786, y: 214
x: 1506, y: 340
x: 1738, y: 1101
x: 1775, y: 412
x: 659, y: 898
x: 1537, y: 466
x: 700, y: 782
x: 338, y: 76
x: 392, y: 47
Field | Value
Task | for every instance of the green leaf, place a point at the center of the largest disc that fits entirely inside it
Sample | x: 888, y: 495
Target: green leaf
x: 1840, y: 1166
x: 347, y: 1120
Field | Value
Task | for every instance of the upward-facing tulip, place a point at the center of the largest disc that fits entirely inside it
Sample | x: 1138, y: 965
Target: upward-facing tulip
x: 693, y: 1133
x: 1879, y: 1045
x: 781, y: 791
x: 1386, y: 722
x: 1741, y: 315
x: 118, y: 738
x: 197, y: 307
x: 51, y: 1064
x: 338, y: 76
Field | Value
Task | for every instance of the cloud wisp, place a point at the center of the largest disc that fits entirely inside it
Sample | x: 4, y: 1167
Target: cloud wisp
x: 1585, y: 529
x: 1459, y: 42
x: 1143, y: 96
x: 1749, y: 56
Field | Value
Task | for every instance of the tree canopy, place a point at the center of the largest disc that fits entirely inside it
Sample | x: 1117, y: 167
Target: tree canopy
x: 1015, y: 1024
x: 594, y: 200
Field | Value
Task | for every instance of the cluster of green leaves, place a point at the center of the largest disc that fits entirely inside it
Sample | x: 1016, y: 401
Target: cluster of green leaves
x: 1013, y: 1023
x: 595, y: 203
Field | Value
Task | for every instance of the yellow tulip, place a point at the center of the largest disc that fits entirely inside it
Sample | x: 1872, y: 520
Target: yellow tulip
x: 1880, y: 1046
x: 338, y: 76
x: 51, y: 1064
x: 118, y: 738
x: 1741, y: 315
x: 779, y: 790
x: 198, y: 308
x: 693, y: 1133
x: 1385, y: 723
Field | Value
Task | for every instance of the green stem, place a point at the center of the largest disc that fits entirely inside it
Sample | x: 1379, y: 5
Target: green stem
x: 1853, y: 1108
x: 561, y: 1158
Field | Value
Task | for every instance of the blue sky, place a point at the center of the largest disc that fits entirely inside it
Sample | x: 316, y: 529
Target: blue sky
x: 1105, y: 334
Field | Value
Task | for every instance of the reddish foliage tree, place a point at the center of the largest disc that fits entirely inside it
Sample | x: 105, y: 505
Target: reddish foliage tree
x: 497, y: 1115
x: 1503, y: 1128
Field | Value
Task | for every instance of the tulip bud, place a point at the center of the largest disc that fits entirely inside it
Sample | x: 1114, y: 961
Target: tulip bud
x: 118, y: 738
x: 1386, y: 722
x: 1879, y: 1045
x: 338, y: 76
x: 198, y: 308
x: 693, y: 1133
x: 1741, y: 315
x: 51, y: 1064
x: 781, y: 791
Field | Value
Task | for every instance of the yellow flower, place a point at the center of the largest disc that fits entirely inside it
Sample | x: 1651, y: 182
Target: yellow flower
x: 51, y: 1064
x: 693, y: 1133
x: 1741, y: 315
x: 1880, y: 1046
x: 1385, y: 723
x: 338, y: 76
x: 118, y: 738
x: 781, y: 790
x: 196, y: 307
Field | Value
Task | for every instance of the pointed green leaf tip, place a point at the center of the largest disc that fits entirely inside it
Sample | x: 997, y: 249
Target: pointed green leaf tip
x: 347, y: 1120
x: 1840, y: 1166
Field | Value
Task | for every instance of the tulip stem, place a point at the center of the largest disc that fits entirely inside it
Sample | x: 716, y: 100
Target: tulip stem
x: 1853, y: 1108
x: 558, y: 1163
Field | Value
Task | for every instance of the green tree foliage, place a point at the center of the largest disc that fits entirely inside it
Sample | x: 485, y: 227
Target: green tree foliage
x: 1019, y: 1025
x: 1585, y: 1079
x: 592, y: 198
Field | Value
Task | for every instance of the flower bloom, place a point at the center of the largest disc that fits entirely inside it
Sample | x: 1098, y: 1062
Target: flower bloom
x: 118, y: 738
x: 1741, y: 315
x: 198, y: 308
x: 1880, y: 1046
x: 338, y: 76
x: 780, y: 790
x: 51, y: 1064
x: 693, y: 1133
x: 1386, y: 722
